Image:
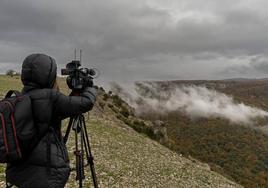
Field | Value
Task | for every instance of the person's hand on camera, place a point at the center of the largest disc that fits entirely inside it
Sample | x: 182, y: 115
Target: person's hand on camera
x: 89, y: 82
x: 91, y: 91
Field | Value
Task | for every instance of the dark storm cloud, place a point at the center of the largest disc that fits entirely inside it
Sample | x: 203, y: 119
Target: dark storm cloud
x: 143, y: 39
x: 254, y: 67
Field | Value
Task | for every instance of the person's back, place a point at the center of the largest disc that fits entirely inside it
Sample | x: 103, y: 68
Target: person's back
x: 48, y: 164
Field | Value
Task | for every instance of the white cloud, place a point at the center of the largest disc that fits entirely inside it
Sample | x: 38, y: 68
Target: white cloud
x: 194, y: 101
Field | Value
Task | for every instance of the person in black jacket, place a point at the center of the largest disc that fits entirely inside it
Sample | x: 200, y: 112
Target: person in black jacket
x: 47, y: 166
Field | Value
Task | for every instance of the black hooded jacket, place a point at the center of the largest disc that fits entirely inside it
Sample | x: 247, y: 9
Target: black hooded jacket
x: 48, y: 164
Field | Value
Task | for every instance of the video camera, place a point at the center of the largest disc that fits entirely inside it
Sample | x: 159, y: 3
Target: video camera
x: 78, y: 78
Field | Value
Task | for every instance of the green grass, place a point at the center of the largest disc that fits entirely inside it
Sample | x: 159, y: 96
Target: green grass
x: 9, y: 83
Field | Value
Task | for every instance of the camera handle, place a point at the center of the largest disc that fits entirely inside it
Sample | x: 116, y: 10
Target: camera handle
x: 78, y: 125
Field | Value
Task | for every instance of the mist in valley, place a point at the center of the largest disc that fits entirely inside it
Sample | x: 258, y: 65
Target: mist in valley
x: 194, y: 101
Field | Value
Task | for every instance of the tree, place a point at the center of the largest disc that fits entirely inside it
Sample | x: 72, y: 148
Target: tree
x: 11, y: 73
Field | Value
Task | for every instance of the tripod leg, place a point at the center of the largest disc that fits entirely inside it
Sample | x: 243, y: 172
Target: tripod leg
x: 79, y: 126
x: 78, y: 161
x: 89, y: 154
x: 82, y: 149
x: 86, y: 148
x: 68, y: 131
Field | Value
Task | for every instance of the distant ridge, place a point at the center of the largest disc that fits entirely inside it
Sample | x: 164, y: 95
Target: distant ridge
x: 206, y: 80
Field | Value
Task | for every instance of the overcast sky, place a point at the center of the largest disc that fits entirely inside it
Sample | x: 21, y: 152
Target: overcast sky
x: 131, y: 40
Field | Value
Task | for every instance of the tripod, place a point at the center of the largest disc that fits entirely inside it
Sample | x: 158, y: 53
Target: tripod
x: 78, y: 125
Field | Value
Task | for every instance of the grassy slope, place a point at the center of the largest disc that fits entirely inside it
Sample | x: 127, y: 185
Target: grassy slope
x: 127, y: 159
x: 124, y: 158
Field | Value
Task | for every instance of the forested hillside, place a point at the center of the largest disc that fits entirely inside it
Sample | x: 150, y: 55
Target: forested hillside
x: 235, y: 150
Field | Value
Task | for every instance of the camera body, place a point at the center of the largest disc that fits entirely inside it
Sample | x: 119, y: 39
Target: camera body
x: 78, y: 78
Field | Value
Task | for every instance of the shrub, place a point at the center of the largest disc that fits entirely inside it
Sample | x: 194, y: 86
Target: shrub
x: 105, y: 96
x: 117, y: 100
x: 140, y: 126
x: 102, y: 104
x: 102, y: 89
x: 124, y: 111
x: 112, y: 107
x: 11, y: 73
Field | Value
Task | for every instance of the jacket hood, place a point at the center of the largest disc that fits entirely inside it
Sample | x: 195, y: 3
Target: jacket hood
x: 39, y: 71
